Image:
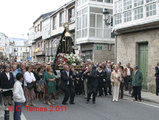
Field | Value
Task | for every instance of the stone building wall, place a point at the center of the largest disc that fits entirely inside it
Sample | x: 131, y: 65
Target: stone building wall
x: 106, y: 53
x: 127, y: 47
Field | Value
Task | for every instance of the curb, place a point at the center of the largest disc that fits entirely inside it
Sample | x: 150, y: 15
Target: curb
x: 145, y: 99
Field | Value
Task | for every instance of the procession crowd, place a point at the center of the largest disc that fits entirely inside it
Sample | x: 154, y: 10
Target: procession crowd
x: 42, y: 82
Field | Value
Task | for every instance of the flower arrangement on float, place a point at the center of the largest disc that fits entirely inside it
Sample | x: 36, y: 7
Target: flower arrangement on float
x: 70, y: 60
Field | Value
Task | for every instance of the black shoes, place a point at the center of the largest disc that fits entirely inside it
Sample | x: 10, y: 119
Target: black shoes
x: 72, y: 103
x: 64, y: 103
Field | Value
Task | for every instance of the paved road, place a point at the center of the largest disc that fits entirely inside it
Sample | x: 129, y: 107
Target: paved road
x: 104, y: 109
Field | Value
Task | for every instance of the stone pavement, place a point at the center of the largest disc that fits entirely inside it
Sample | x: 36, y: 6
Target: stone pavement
x: 1, y: 113
x: 2, y: 108
x: 146, y: 96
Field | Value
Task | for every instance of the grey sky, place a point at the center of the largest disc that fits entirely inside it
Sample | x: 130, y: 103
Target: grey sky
x: 17, y: 16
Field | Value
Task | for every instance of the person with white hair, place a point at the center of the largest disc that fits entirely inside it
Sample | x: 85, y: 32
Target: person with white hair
x: 115, y: 80
x: 67, y: 85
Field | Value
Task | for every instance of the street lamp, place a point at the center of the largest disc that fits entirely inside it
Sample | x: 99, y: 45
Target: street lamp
x: 107, y: 18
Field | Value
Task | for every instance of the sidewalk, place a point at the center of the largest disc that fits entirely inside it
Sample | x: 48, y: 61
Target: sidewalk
x: 1, y: 113
x: 2, y: 108
x: 146, y: 96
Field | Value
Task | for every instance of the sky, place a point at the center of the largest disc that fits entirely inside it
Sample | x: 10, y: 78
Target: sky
x: 17, y: 16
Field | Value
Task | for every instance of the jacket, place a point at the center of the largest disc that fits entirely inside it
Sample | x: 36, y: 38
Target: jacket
x: 66, y: 81
x: 4, y: 82
x: 137, y: 78
x: 116, y: 78
x: 18, y: 93
x: 157, y: 71
x: 131, y: 72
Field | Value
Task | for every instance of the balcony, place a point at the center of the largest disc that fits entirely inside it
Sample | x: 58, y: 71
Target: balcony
x: 41, y: 52
x: 38, y: 34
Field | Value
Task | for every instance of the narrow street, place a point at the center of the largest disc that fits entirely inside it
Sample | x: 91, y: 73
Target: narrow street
x: 104, y: 109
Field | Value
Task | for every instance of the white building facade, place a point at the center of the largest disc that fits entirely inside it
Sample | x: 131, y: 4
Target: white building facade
x: 92, y: 35
x: 137, y: 42
x: 65, y: 14
x: 4, y: 46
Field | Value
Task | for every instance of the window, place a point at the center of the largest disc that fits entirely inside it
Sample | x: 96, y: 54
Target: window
x: 138, y: 13
x: 127, y: 16
x: 71, y: 15
x: 118, y: 6
x: 96, y: 10
x: 118, y: 19
x: 40, y: 25
x: 54, y: 23
x: 99, y: 21
x: 99, y: 0
x: 151, y: 9
x: 61, y: 18
x: 147, y: 1
x: 108, y: 1
x: 78, y: 23
x: 127, y: 4
x: 92, y: 20
x: 138, y: 2
x: 79, y: 2
x: 82, y: 24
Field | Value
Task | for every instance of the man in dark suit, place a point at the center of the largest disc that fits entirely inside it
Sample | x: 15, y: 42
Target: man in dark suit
x: 92, y: 83
x: 157, y: 78
x: 67, y: 85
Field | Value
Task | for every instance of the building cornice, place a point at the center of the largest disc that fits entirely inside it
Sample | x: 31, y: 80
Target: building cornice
x: 140, y: 27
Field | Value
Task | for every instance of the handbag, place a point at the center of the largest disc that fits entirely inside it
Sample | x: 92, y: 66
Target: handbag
x: 30, y: 86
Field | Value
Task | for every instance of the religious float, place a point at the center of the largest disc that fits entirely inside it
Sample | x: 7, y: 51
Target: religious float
x: 64, y: 52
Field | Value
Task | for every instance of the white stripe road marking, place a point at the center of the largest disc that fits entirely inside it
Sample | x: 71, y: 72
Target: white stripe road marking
x: 145, y: 104
x: 149, y: 105
x: 23, y: 117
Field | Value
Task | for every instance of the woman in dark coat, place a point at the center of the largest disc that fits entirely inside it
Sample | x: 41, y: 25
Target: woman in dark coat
x: 7, y: 82
x: 39, y: 83
x: 100, y: 76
